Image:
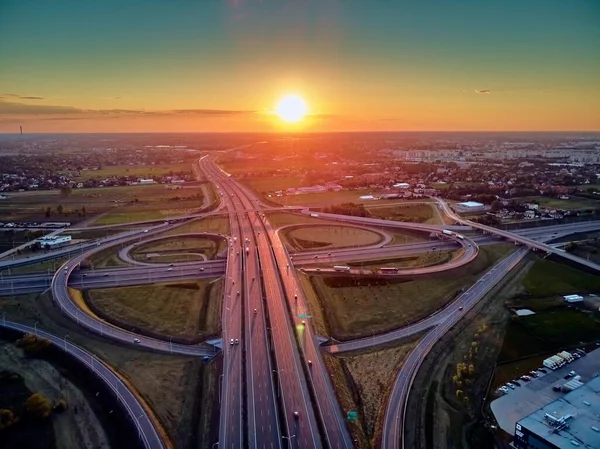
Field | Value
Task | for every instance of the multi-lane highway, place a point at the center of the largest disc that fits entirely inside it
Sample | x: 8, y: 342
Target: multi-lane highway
x: 333, y: 425
x: 244, y: 322
x: 299, y: 420
x: 138, y: 414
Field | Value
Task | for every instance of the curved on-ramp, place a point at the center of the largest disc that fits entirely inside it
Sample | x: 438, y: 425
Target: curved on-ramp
x: 124, y: 252
x: 84, y: 318
x: 138, y: 414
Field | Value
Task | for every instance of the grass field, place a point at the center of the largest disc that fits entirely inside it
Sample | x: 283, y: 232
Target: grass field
x: 177, y: 247
x: 415, y: 213
x: 563, y: 327
x: 131, y: 200
x: 263, y: 185
x: 280, y: 219
x: 108, y: 257
x: 330, y: 237
x: 555, y: 203
x: 141, y: 171
x: 362, y: 382
x: 547, y: 278
x: 349, y: 307
x: 189, y: 310
x: 39, y: 267
x: 216, y: 225
x: 426, y: 259
x: 326, y: 198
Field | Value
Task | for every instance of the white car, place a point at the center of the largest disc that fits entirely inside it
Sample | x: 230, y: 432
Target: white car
x: 136, y: 341
x: 231, y: 342
x: 169, y: 269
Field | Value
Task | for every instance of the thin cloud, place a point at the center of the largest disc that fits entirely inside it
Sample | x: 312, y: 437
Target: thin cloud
x: 20, y: 97
x: 22, y: 109
x: 484, y: 91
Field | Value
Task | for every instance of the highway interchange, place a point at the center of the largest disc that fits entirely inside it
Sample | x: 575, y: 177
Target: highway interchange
x: 275, y: 389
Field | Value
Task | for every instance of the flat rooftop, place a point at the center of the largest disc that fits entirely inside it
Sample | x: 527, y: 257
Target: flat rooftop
x: 537, y: 393
x: 583, y: 405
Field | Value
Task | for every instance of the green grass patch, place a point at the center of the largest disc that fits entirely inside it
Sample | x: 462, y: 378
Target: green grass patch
x: 330, y: 237
x: 414, y: 213
x: 563, y: 327
x: 39, y: 267
x: 426, y: 259
x: 556, y: 203
x: 108, y: 257
x: 181, y: 245
x: 188, y: 310
x: 140, y: 171
x: 353, y: 307
x: 215, y: 225
x: 547, y: 278
x: 326, y: 198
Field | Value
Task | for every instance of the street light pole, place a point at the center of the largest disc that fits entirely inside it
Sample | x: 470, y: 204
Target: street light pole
x: 289, y: 439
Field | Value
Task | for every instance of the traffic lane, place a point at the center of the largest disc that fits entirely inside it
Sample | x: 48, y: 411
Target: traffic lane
x: 335, y: 428
x: 290, y: 375
x: 231, y: 426
x: 393, y: 424
x: 262, y: 414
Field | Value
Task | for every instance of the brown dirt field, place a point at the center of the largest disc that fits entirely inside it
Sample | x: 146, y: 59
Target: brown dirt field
x: 373, y: 374
x: 71, y: 429
x: 171, y: 384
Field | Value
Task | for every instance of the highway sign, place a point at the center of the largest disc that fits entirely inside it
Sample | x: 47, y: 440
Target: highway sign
x: 352, y: 416
x: 302, y: 316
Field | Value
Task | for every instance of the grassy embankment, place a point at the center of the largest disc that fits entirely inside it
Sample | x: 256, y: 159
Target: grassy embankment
x: 179, y: 249
x: 189, y: 310
x: 363, y: 381
x: 182, y: 391
x: 352, y: 307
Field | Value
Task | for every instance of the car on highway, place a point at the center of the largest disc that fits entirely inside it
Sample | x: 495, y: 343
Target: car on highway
x: 238, y: 293
x: 310, y: 363
x: 105, y: 274
x: 145, y: 230
x: 84, y: 275
x: 201, y: 269
x: 231, y: 342
x: 296, y: 415
x: 316, y: 257
x: 136, y: 341
x: 237, y: 341
x: 169, y: 269
x: 461, y: 308
x: 171, y: 265
x: 255, y: 311
x: 511, y: 385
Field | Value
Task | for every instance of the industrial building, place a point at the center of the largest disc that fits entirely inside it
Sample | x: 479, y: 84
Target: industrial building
x: 470, y: 206
x: 572, y: 420
x: 573, y: 298
x: 548, y: 387
x: 52, y: 241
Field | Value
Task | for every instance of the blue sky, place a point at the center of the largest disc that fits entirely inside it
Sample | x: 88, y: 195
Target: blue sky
x: 356, y: 62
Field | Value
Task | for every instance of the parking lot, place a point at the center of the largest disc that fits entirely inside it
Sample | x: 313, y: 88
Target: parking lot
x: 530, y: 396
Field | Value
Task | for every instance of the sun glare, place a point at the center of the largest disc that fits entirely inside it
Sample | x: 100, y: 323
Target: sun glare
x: 291, y: 109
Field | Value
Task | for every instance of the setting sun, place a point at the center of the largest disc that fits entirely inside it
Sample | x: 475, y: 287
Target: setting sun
x: 291, y: 108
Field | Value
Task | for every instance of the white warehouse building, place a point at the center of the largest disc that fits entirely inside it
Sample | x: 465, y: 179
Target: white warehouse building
x: 52, y: 241
x: 470, y: 206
